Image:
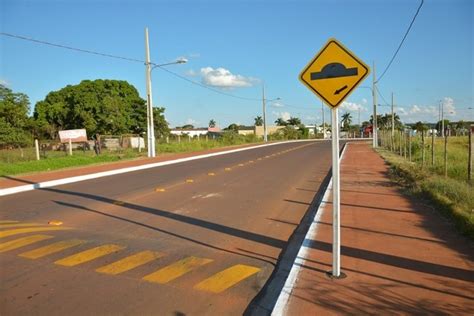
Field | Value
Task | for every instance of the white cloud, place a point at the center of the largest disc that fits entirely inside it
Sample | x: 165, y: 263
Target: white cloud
x: 364, y: 101
x: 449, y: 108
x: 191, y: 121
x: 277, y: 104
x: 284, y: 115
x: 223, y: 78
x: 352, y: 107
x: 191, y: 73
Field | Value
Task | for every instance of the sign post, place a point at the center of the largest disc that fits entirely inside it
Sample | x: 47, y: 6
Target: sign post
x: 332, y: 75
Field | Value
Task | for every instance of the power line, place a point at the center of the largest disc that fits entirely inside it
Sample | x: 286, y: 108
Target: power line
x: 380, y: 94
x: 401, y: 43
x: 207, y: 87
x: 81, y: 50
x: 70, y: 48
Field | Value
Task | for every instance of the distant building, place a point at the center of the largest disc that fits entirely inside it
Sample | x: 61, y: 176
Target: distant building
x: 196, y: 132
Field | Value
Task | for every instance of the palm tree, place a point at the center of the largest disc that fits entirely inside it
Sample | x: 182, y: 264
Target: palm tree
x: 281, y: 122
x: 294, y: 121
x: 346, y: 120
x: 258, y: 121
x: 212, y: 123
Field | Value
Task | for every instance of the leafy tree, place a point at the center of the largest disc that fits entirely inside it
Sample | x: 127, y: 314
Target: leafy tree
x: 99, y: 106
x: 233, y: 128
x: 281, y: 122
x: 14, y: 120
x: 212, y: 123
x: 187, y: 126
x: 420, y: 127
x: 258, y: 121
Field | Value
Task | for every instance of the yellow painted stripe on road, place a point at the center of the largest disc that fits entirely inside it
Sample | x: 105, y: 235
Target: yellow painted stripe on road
x: 11, y: 225
x: 12, y: 232
x: 88, y: 255
x: 227, y: 169
x: 223, y: 280
x: 7, y: 222
x: 176, y: 270
x: 241, y: 164
x: 119, y: 203
x: 160, y: 190
x: 189, y: 180
x: 130, y: 262
x: 211, y: 174
x: 21, y: 242
x: 53, y: 248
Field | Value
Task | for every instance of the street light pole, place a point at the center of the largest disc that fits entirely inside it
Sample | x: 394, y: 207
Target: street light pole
x: 265, y: 139
x: 374, y: 119
x: 324, y: 128
x: 149, y: 100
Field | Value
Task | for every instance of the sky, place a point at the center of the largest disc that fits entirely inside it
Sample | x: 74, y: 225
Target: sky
x: 237, y: 46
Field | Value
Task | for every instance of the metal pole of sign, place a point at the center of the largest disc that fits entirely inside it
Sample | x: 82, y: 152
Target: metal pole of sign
x: 336, y: 209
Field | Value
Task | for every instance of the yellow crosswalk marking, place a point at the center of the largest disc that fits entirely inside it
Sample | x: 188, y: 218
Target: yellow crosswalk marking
x: 12, y: 232
x: 7, y: 222
x: 88, y: 255
x: 223, y: 280
x: 11, y: 225
x: 130, y: 262
x: 176, y: 270
x: 50, y: 249
x: 21, y: 242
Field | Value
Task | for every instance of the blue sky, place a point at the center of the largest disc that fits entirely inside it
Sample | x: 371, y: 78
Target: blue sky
x: 235, y: 46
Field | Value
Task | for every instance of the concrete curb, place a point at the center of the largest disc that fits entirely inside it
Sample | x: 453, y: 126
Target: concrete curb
x: 282, y: 301
x: 52, y: 183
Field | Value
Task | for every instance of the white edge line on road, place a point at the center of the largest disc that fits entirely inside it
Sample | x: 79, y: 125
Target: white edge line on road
x: 52, y: 183
x: 284, y: 297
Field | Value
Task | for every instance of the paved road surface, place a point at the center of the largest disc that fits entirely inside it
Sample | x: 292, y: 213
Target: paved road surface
x: 201, y: 237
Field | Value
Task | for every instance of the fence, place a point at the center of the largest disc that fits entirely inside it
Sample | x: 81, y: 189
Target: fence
x: 450, y: 156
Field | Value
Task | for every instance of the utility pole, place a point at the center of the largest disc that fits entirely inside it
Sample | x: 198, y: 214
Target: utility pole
x: 374, y: 120
x: 324, y: 128
x: 149, y: 100
x: 442, y: 119
x: 264, y: 115
x: 360, y: 127
x: 393, y: 122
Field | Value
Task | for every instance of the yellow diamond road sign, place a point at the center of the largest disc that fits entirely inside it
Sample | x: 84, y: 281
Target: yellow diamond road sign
x: 334, y: 73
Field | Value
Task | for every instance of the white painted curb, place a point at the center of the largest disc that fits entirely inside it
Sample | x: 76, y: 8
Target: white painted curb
x: 52, y: 183
x: 281, y: 305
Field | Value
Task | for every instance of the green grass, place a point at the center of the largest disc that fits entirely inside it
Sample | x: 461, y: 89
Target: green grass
x: 452, y: 197
x: 14, y: 162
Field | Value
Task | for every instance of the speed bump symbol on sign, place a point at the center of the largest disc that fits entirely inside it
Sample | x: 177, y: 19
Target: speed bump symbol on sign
x: 334, y: 73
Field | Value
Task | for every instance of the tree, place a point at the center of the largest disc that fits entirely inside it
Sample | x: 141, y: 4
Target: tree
x: 187, y: 126
x: 281, y: 122
x: 99, y: 106
x: 14, y: 120
x: 420, y: 127
x: 258, y: 121
x: 233, y: 128
x: 294, y: 121
x: 212, y: 123
x: 346, y: 121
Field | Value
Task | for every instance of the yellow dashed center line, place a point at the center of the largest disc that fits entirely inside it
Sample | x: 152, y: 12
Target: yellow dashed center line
x: 13, y: 232
x: 227, y: 169
x: 130, y: 262
x: 7, y: 222
x: 53, y: 248
x: 223, y: 280
x: 189, y: 180
x: 211, y: 174
x: 88, y: 255
x: 19, y: 225
x: 160, y: 190
x: 176, y: 270
x: 21, y: 242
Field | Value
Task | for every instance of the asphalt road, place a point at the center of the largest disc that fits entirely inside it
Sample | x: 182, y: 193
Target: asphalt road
x: 195, y: 238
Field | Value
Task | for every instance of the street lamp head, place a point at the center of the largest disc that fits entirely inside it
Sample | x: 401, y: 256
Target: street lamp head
x: 181, y: 60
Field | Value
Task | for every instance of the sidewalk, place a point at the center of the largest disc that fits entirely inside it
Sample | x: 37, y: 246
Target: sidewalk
x: 400, y: 256
x: 15, y: 181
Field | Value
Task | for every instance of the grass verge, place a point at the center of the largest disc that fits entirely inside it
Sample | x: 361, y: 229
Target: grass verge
x: 59, y: 160
x: 452, y: 198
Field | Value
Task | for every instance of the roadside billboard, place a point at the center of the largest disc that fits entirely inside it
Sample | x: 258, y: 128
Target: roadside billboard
x: 75, y: 135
